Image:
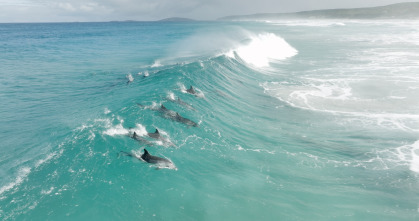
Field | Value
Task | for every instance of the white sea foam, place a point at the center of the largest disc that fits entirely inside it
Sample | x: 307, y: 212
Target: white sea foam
x: 22, y: 174
x: 171, y: 96
x: 182, y: 87
x: 388, y: 104
x: 46, y: 159
x: 47, y: 192
x: 24, y: 171
x: 139, y: 130
x: 116, y: 130
x: 410, y: 154
x: 156, y: 64
x: 405, y: 156
x: 91, y: 136
x: 263, y: 49
x: 153, y: 106
x: 130, y: 78
x: 113, y: 130
x: 145, y: 74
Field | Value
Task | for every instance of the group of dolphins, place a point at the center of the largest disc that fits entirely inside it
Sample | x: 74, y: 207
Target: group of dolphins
x: 169, y: 114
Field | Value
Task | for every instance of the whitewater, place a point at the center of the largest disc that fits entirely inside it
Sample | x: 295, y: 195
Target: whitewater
x: 289, y: 120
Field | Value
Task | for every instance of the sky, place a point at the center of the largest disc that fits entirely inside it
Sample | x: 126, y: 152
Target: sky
x: 148, y: 10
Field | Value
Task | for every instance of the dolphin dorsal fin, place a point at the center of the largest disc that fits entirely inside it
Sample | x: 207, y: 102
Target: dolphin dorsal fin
x: 157, y: 132
x: 135, y: 134
x: 145, y: 154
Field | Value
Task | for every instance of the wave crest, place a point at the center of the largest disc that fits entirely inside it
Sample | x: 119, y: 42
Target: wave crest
x: 263, y: 49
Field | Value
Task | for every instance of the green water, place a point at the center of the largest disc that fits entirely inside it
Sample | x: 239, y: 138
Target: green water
x: 296, y: 121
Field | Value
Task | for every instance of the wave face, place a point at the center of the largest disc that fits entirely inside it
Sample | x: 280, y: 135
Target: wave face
x: 294, y: 119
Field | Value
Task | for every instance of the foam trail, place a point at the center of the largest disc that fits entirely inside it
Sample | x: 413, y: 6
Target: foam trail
x: 116, y: 130
x: 139, y: 130
x: 171, y: 96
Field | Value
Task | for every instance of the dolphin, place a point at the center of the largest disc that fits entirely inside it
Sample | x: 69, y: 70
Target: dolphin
x: 140, y: 139
x: 158, y: 161
x: 175, y: 116
x: 185, y: 120
x: 156, y: 135
x: 166, y: 112
x: 183, y: 103
x: 191, y: 90
x: 163, y: 108
x: 147, y: 157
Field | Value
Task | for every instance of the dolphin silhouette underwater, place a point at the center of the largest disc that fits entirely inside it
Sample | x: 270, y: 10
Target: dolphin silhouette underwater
x: 182, y: 103
x: 160, y: 162
x: 140, y: 139
x: 175, y: 116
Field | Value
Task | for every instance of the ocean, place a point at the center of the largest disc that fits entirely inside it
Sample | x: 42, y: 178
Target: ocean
x: 291, y: 120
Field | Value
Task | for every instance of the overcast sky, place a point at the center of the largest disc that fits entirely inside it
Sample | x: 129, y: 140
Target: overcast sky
x: 145, y: 10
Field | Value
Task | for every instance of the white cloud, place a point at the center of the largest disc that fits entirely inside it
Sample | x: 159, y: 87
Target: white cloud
x: 106, y: 10
x: 66, y: 6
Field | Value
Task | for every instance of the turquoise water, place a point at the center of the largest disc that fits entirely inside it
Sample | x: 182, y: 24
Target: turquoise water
x: 297, y: 120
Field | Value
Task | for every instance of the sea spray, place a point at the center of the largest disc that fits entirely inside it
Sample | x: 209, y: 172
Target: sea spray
x: 263, y: 49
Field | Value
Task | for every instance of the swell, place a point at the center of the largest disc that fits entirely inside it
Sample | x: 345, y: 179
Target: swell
x: 246, y: 142
x: 89, y: 152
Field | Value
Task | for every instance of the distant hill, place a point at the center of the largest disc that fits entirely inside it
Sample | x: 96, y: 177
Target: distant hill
x: 175, y: 19
x: 408, y: 10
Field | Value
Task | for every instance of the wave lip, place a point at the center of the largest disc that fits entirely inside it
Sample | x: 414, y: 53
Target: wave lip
x: 263, y: 49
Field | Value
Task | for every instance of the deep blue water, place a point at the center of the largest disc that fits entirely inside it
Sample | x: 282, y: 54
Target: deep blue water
x: 296, y: 120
